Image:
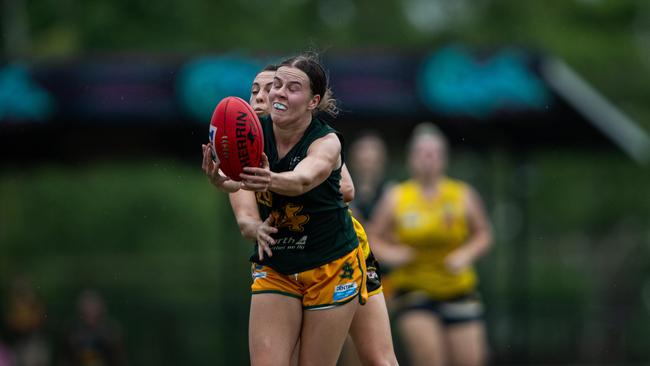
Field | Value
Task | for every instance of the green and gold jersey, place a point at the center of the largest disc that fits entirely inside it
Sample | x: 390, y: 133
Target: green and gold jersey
x: 313, y: 228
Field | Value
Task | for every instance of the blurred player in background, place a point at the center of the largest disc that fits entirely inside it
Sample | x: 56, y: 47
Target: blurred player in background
x: 308, y: 269
x: 95, y: 339
x: 430, y: 229
x: 367, y: 164
x: 370, y: 330
x: 25, y: 316
x: 370, y: 327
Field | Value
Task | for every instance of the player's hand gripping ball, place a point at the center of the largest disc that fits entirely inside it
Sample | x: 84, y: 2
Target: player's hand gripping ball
x: 236, y: 136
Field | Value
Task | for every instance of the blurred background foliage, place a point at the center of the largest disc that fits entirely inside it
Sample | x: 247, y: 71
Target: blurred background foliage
x: 146, y: 235
x: 568, y: 280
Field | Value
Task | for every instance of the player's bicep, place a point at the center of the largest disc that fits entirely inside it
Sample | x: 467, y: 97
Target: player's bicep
x: 323, y: 156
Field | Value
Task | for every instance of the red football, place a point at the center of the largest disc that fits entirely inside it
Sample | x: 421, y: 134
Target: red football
x: 236, y: 136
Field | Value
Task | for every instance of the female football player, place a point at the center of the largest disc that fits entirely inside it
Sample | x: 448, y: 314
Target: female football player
x: 370, y: 329
x: 313, y: 261
x: 430, y: 229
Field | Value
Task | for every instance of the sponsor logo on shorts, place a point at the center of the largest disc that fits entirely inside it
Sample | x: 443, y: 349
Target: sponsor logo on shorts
x: 344, y: 291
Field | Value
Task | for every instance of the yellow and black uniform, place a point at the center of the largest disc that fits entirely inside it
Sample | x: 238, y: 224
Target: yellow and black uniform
x: 316, y: 256
x: 434, y: 228
x: 373, y: 276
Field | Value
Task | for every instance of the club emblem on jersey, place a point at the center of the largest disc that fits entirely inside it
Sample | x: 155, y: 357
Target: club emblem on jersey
x: 290, y: 217
x: 410, y: 220
x: 264, y: 198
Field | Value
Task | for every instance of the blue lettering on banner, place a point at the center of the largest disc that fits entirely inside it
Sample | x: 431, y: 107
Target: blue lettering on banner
x: 21, y: 97
x: 454, y: 81
x: 344, y: 291
x: 204, y: 81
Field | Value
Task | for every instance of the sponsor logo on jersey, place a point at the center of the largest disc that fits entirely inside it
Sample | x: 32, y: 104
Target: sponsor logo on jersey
x: 290, y: 243
x: 410, y: 220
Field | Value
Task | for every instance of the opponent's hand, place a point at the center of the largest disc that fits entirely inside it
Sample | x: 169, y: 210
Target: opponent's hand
x: 211, y: 169
x: 264, y: 239
x: 457, y: 261
x: 257, y: 179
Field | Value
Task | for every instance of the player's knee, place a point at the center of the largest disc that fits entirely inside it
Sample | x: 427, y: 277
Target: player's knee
x: 383, y: 362
x: 268, y: 360
x: 469, y: 359
x: 381, y: 359
x: 265, y: 353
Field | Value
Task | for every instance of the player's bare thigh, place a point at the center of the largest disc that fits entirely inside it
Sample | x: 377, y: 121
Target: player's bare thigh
x: 323, y: 334
x: 467, y: 343
x: 274, y: 328
x: 422, y: 333
x: 370, y: 331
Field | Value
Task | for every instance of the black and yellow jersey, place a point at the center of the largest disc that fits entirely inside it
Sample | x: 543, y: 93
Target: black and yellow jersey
x: 433, y: 228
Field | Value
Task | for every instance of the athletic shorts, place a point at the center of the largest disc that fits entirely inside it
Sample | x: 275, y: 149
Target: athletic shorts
x: 460, y: 309
x: 329, y: 285
x: 373, y: 282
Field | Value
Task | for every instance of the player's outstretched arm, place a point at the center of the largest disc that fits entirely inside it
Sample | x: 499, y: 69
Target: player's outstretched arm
x: 251, y: 226
x: 323, y: 156
x: 244, y: 206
